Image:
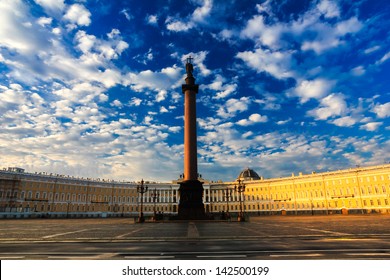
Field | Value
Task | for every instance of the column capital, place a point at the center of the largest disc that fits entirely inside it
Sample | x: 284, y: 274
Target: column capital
x: 193, y: 88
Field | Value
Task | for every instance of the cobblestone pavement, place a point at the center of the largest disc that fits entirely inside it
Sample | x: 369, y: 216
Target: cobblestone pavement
x: 288, y: 237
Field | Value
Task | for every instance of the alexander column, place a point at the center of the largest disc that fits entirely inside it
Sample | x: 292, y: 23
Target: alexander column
x: 191, y: 189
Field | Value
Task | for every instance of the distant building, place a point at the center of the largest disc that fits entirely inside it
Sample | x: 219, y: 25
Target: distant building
x: 52, y: 195
x: 357, y: 190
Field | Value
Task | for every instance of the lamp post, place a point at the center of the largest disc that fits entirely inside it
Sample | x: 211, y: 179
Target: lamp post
x: 155, y: 195
x: 67, y: 209
x: 141, y: 189
x: 240, y: 188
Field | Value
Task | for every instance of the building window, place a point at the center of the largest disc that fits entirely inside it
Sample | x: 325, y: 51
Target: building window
x: 37, y: 195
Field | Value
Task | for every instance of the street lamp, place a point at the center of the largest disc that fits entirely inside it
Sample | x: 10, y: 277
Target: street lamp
x: 141, y: 189
x: 155, y: 195
x: 67, y: 209
x: 240, y: 188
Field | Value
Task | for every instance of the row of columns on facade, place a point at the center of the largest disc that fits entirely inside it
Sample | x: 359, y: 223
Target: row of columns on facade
x: 142, y: 189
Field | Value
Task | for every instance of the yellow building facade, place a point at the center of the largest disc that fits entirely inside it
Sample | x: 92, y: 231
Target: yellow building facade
x: 52, y: 195
x: 358, y: 190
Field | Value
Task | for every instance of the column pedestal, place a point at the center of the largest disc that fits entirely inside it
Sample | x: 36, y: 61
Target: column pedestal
x: 191, y: 200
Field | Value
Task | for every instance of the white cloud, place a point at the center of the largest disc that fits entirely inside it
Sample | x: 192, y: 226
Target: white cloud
x: 308, y: 89
x: 328, y: 37
x: 283, y: 122
x: 144, y: 58
x: 266, y: 29
x: 347, y: 121
x: 42, y: 21
x: 52, y: 6
x: 157, y: 81
x: 198, y: 16
x: 275, y: 63
x: 258, y: 31
x: 371, y: 126
x: 328, y: 8
x: 233, y: 106
x: 126, y: 13
x: 222, y: 90
x: 52, y: 60
x: 38, y: 54
x: 85, y: 41
x: 19, y: 31
x: 116, y: 103
x: 202, y: 12
x: 254, y: 118
x: 152, y: 20
x: 382, y: 110
x: 163, y: 109
x: 81, y: 93
x: 57, y: 31
x: 78, y: 14
x: 135, y: 101
x: 330, y: 106
x: 161, y: 95
x: 352, y: 25
x: 372, y: 49
x: 383, y: 59
x: 178, y: 26
x: 358, y: 71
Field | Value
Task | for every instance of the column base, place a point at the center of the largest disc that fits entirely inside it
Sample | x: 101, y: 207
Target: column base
x: 191, y: 205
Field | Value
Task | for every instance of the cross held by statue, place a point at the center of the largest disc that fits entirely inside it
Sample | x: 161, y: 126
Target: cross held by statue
x: 189, y: 60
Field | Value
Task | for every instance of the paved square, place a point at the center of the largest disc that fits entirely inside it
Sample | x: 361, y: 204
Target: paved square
x: 291, y: 237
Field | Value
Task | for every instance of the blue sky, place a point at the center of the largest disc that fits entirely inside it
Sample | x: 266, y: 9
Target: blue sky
x: 93, y: 88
